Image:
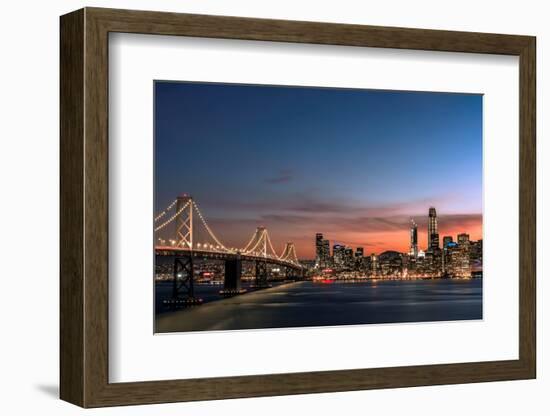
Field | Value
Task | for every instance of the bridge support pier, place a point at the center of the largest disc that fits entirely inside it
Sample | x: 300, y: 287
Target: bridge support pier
x: 289, y: 272
x: 261, y: 273
x: 183, y: 289
x: 232, y: 281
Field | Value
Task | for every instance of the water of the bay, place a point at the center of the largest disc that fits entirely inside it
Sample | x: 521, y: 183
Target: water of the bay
x: 308, y: 303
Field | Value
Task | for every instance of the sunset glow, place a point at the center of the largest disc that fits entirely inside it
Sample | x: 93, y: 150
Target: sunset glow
x: 355, y: 165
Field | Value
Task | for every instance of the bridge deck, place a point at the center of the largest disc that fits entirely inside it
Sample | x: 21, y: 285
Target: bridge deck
x: 221, y: 255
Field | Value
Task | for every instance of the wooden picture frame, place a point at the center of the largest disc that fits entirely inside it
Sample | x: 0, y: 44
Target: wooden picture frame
x: 84, y: 207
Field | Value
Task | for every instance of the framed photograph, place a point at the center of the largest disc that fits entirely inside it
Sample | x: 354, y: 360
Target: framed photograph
x: 256, y: 207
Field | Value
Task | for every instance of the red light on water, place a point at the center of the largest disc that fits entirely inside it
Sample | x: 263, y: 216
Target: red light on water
x: 327, y: 281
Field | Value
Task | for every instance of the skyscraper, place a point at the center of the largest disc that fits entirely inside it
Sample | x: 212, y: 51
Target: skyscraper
x: 433, y: 236
x: 338, y: 251
x: 359, y: 258
x: 414, y: 239
x: 318, y: 249
x: 322, y: 251
x: 476, y: 256
x: 464, y: 256
x: 326, y: 261
x: 446, y: 255
x: 348, y: 257
x: 374, y: 263
x: 463, y: 238
x: 476, y: 250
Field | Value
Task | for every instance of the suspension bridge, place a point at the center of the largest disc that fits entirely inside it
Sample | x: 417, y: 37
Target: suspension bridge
x: 188, y: 238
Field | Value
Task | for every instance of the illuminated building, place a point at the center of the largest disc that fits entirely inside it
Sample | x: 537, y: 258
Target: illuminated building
x: 338, y: 253
x: 348, y: 258
x: 457, y: 257
x: 390, y: 263
x: 360, y: 260
x: 463, y: 241
x: 411, y: 263
x: 445, y: 257
x: 476, y: 250
x: 452, y: 259
x: 326, y: 253
x: 322, y: 251
x: 414, y: 239
x: 318, y: 249
x: 433, y: 236
x: 374, y: 264
x: 406, y: 264
x: 476, y: 257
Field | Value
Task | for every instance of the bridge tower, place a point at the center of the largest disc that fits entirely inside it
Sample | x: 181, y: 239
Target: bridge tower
x: 258, y: 244
x: 184, y: 222
x: 183, y: 288
x: 258, y: 247
x: 262, y: 232
x: 289, y: 253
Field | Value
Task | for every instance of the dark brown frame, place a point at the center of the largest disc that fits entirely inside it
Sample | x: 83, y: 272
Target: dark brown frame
x: 84, y: 211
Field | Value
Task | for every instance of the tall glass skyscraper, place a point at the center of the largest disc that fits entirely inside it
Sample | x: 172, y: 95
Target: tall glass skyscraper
x: 433, y: 235
x: 322, y: 251
x: 318, y: 249
x: 414, y: 239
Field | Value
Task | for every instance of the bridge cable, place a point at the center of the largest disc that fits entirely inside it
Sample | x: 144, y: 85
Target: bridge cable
x: 271, y: 245
x: 260, y: 240
x: 172, y: 218
x: 163, y: 213
x: 208, y: 228
x: 250, y: 242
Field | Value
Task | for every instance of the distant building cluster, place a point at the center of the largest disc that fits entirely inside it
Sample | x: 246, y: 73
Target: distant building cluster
x: 462, y: 258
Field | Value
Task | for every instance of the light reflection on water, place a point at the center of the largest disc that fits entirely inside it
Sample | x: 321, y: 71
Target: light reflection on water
x: 315, y: 304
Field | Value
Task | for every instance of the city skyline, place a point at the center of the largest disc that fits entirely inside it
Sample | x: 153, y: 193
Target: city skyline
x: 460, y: 258
x: 412, y: 224
x: 414, y: 247
x: 353, y: 164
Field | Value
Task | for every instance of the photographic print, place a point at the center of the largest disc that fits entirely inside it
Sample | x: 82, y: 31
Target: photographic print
x: 292, y: 206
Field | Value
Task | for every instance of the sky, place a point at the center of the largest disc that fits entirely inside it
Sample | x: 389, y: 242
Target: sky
x: 353, y: 164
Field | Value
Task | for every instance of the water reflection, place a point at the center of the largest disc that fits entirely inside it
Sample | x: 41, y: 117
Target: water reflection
x: 315, y: 304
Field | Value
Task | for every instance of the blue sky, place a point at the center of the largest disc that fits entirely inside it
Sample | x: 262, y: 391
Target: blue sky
x: 301, y: 160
